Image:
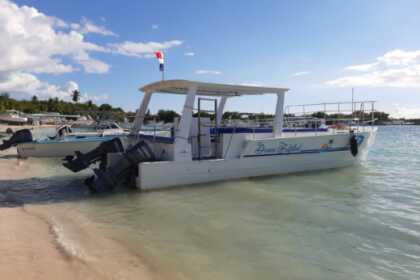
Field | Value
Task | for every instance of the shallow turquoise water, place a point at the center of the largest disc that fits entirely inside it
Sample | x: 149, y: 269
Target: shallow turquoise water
x: 361, y: 222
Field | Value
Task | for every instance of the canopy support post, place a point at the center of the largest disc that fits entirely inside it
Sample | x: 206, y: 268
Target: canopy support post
x: 141, y: 113
x: 278, y: 119
x: 182, y: 147
x: 220, y: 110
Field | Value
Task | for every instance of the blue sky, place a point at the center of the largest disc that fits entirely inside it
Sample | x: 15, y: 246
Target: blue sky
x: 319, y: 49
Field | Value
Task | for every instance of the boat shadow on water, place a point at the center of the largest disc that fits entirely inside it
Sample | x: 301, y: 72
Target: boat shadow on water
x: 54, y: 189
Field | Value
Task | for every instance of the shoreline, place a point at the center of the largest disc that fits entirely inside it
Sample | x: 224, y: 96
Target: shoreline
x: 50, y: 241
x: 29, y: 252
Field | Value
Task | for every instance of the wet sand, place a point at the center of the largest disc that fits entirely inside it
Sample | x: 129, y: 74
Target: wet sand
x: 32, y: 246
x: 28, y: 250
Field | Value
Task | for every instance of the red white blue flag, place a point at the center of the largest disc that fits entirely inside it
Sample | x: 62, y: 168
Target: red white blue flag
x: 159, y: 56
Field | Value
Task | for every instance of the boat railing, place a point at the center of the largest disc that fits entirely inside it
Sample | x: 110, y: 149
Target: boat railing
x: 158, y: 130
x: 337, y: 117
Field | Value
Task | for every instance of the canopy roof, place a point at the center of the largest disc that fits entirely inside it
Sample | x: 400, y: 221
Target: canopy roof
x: 208, y: 89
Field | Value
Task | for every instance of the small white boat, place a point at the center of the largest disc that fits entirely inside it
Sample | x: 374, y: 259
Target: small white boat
x: 68, y: 140
x: 13, y: 117
x: 60, y: 147
x: 103, y: 128
x: 201, y: 150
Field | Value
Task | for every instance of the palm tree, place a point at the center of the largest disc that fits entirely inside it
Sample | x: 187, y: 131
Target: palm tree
x: 76, y: 95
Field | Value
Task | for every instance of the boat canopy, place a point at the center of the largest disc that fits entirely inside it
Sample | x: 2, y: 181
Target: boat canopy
x: 208, y: 89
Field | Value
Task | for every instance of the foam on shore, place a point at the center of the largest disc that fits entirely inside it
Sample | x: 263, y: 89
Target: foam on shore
x: 42, y: 238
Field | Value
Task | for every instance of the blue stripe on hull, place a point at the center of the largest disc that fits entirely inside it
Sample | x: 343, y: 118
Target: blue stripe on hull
x: 317, y: 151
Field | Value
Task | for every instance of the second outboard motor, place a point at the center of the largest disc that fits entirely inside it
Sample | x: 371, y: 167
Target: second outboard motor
x: 354, y: 146
x: 20, y: 136
x: 81, y: 161
x: 122, y: 170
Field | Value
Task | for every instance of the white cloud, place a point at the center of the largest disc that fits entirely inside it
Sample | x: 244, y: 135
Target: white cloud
x: 302, y: 73
x: 32, y: 43
x: 35, y: 43
x: 189, y: 53
x: 405, y: 112
x: 396, y: 68
x: 86, y: 26
x: 25, y: 85
x: 208, y: 72
x: 71, y: 86
x: 362, y: 67
x: 91, y: 65
x: 140, y: 49
x: 155, y: 26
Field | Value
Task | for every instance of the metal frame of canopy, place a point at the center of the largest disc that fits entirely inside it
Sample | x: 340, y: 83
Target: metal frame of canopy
x: 182, y: 149
x: 208, y: 89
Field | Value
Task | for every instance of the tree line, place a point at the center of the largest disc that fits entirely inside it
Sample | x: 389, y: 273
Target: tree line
x: 35, y: 105
x: 106, y: 111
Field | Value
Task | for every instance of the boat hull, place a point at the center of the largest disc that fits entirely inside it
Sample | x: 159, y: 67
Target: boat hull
x: 56, y: 148
x: 13, y: 120
x: 203, y: 171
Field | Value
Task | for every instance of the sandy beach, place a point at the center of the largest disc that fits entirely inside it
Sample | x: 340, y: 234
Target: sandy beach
x: 32, y: 246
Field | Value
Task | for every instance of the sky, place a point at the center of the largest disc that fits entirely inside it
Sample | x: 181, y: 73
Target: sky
x: 320, y: 49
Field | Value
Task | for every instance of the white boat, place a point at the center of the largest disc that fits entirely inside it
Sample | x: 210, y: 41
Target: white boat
x: 84, y: 121
x: 13, y: 117
x: 60, y: 147
x: 100, y: 129
x: 68, y: 140
x: 201, y: 150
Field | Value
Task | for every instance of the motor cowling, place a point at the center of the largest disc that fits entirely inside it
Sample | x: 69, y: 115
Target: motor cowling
x: 80, y: 161
x: 20, y: 136
x: 354, y: 146
x: 122, y: 170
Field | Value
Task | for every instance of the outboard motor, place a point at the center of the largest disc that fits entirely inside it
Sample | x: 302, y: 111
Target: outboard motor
x: 82, y: 161
x: 63, y: 130
x: 20, y: 136
x: 354, y: 146
x: 122, y: 170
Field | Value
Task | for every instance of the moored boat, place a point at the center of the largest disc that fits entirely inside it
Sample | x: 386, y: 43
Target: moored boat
x: 68, y: 140
x: 204, y: 149
x: 13, y: 117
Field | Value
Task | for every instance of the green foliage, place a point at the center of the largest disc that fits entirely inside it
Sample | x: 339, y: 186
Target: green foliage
x: 75, y: 96
x: 319, y: 115
x: 55, y: 105
x: 167, y: 115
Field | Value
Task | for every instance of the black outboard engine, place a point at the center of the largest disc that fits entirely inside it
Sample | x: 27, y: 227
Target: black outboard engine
x: 82, y: 161
x: 63, y: 130
x: 122, y: 170
x: 20, y: 136
x: 354, y: 146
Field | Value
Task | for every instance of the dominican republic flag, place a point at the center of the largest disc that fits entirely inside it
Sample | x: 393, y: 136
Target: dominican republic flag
x: 159, y: 56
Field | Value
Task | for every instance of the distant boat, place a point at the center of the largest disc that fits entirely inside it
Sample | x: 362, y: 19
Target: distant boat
x: 13, y: 117
x: 398, y: 122
x: 84, y: 121
x: 69, y: 139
